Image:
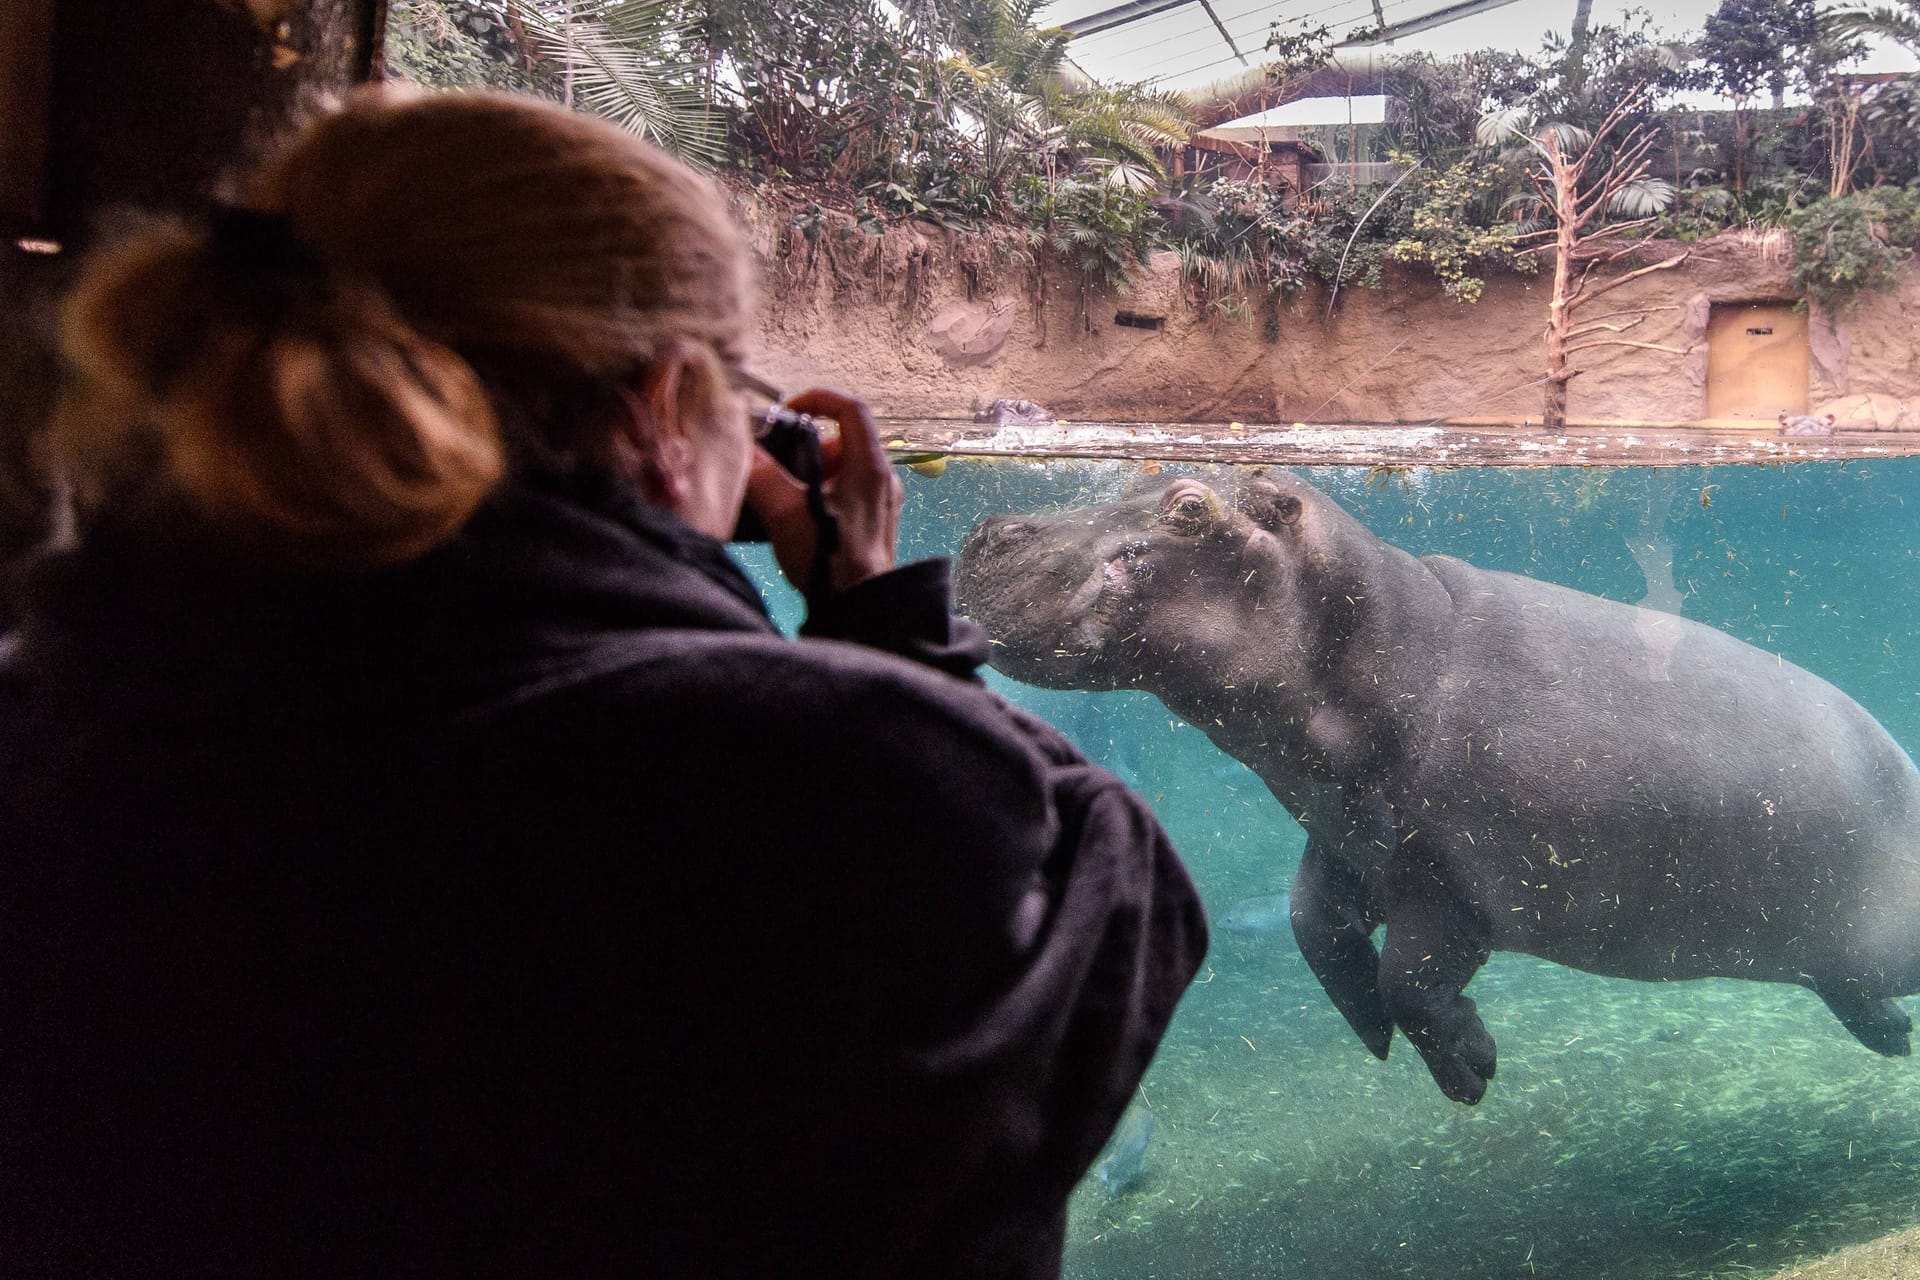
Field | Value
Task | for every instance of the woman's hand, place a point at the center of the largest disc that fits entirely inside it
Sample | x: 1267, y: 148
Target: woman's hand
x: 860, y: 489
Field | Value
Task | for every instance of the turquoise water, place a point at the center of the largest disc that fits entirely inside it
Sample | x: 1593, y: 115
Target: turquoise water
x: 1711, y: 1128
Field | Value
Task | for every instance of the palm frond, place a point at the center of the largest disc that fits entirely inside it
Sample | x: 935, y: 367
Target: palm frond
x: 1571, y: 138
x: 1901, y: 27
x: 1642, y: 198
x: 623, y: 64
x: 1498, y: 128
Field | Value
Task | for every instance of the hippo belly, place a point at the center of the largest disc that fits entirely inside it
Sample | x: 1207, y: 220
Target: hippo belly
x: 1721, y: 813
x: 1483, y: 761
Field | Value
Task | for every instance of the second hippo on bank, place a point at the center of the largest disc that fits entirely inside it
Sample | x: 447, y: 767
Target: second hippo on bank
x: 1483, y: 761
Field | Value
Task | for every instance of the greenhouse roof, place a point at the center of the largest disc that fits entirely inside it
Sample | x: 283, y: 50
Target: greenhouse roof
x: 1187, y: 44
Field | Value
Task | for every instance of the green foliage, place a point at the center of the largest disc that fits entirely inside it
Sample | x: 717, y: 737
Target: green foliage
x: 1434, y: 106
x: 1103, y: 231
x: 1618, y: 58
x: 454, y: 44
x: 633, y: 61
x: 1901, y: 25
x: 1891, y: 117
x: 1748, y: 45
x: 824, y: 91
x: 1846, y: 248
x: 1296, y: 48
x: 1445, y: 229
x: 1239, y: 241
x: 959, y: 112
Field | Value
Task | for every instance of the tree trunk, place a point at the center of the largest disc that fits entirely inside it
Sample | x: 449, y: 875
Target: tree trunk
x: 1577, y: 46
x: 147, y: 106
x: 1559, y: 303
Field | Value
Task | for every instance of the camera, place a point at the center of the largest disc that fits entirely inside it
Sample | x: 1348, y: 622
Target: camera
x: 793, y: 440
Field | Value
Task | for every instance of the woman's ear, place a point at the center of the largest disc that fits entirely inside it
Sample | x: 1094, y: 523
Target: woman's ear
x: 659, y: 412
x: 648, y: 455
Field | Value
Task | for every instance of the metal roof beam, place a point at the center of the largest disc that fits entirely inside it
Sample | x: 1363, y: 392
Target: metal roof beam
x: 1426, y: 22
x: 1119, y: 16
x: 1222, y: 28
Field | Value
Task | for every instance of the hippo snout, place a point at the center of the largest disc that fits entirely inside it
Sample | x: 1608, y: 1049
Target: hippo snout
x: 988, y: 547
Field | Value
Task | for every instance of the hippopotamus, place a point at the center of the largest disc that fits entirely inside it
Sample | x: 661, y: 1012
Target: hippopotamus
x: 1803, y: 425
x: 1482, y: 761
x: 1015, y: 413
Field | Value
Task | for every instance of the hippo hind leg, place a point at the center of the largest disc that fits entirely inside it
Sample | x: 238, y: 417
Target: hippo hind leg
x: 1877, y: 1023
x: 1333, y: 917
x: 1435, y: 944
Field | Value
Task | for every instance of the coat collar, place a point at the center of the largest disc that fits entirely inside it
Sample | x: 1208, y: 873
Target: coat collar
x: 555, y: 564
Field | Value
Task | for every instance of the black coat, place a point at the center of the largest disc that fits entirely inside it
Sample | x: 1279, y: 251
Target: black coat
x: 536, y: 909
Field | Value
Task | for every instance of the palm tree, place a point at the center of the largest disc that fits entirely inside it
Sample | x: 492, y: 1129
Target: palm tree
x: 1026, y: 102
x: 1900, y: 25
x: 632, y: 62
x: 1121, y: 125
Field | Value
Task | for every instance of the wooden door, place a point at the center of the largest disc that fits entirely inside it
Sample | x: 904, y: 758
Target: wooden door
x: 1756, y: 360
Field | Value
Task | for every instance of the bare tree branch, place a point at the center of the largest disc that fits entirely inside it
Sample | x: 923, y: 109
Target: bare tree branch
x: 1637, y: 311
x: 1597, y: 326
x: 1624, y: 342
x: 1610, y: 285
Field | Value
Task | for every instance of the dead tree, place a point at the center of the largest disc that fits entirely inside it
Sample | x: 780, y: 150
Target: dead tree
x: 1582, y: 197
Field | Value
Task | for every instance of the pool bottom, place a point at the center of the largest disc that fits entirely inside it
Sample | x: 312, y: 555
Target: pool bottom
x: 1712, y: 1128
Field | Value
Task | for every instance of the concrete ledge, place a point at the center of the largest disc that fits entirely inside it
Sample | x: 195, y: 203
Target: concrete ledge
x: 1406, y: 445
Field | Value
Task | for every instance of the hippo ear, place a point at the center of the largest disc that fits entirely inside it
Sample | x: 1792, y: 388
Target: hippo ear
x: 1267, y: 506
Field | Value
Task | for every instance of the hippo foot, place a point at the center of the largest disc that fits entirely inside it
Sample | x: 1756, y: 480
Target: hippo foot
x: 1455, y: 1044
x: 1881, y: 1025
x: 1463, y: 1068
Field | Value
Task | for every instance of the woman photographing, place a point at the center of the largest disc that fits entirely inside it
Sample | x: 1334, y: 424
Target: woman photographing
x: 419, y: 853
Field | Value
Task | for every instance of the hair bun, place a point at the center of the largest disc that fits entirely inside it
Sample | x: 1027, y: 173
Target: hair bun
x: 301, y: 414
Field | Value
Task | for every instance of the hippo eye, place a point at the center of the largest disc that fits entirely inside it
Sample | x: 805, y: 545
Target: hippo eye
x: 1188, y: 509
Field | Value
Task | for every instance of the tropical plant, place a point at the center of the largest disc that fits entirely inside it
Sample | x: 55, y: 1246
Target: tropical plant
x: 824, y: 91
x: 1238, y: 241
x: 1100, y: 230
x: 1848, y: 247
x: 452, y: 44
x: 1123, y: 124
x: 637, y: 62
x: 1628, y: 57
x: 633, y: 61
x: 1449, y: 233
x: 1889, y: 114
x: 1748, y: 45
x: 1901, y: 24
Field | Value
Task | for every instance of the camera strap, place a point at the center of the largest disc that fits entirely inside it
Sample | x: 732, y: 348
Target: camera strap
x: 826, y: 526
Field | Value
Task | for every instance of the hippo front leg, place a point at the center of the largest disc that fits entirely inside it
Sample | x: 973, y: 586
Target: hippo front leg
x: 1435, y: 944
x: 1879, y: 1024
x: 1334, y: 916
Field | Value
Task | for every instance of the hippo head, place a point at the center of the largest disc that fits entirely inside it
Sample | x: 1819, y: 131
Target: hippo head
x: 1180, y: 582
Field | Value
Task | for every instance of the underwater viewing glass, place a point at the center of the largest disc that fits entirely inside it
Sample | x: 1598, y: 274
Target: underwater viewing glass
x: 1698, y: 690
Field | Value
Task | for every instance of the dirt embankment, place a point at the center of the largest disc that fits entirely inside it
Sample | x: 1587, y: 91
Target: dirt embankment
x: 934, y: 324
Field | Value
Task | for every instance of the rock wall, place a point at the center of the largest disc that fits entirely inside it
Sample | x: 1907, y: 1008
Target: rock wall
x: 929, y: 324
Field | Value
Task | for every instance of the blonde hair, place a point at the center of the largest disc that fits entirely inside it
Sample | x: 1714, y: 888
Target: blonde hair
x: 324, y: 409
